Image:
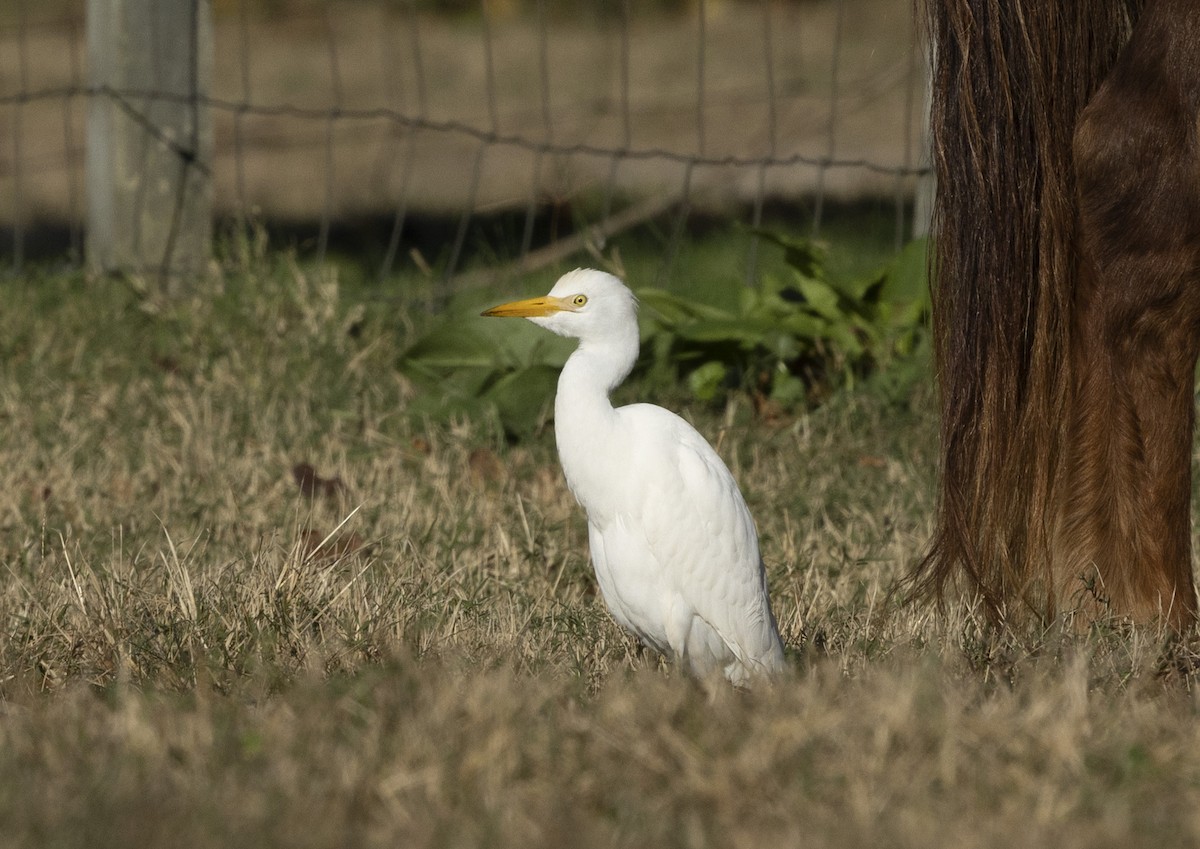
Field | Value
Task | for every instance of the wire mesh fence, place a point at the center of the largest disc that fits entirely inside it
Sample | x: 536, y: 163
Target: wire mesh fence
x: 595, y: 117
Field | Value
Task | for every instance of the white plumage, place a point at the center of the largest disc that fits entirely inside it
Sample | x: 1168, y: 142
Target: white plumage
x: 673, y: 544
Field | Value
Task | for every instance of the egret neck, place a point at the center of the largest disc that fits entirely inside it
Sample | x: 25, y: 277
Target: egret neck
x: 585, y: 422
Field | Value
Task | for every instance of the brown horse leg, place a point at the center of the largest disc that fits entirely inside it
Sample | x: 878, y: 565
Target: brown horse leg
x: 1130, y: 469
x: 1125, y: 536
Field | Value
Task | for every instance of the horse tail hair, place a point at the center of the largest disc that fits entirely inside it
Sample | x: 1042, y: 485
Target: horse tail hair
x: 1010, y: 80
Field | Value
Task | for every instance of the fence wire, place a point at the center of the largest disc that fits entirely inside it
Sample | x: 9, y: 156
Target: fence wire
x: 394, y: 111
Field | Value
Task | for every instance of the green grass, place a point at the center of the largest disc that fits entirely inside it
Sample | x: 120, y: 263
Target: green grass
x: 189, y: 661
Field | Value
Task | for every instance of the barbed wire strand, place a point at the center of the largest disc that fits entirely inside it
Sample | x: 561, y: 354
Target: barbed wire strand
x: 413, y: 122
x: 124, y: 100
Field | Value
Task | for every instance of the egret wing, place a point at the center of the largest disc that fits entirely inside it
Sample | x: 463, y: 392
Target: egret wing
x: 700, y: 531
x: 630, y: 581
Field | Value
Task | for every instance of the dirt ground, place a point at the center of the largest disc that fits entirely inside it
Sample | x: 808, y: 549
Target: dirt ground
x: 357, y: 108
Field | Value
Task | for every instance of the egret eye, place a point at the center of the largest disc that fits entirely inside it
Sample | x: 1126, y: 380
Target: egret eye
x: 579, y: 300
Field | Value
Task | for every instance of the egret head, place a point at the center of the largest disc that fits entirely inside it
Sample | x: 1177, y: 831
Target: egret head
x: 585, y: 303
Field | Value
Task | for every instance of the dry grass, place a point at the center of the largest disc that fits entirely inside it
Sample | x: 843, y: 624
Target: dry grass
x: 189, y: 661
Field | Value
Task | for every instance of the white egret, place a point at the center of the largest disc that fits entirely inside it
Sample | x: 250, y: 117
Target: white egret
x: 672, y: 542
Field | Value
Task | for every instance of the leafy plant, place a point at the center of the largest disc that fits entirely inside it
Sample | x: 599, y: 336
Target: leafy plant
x: 470, y: 365
x: 798, y: 335
x: 790, y: 341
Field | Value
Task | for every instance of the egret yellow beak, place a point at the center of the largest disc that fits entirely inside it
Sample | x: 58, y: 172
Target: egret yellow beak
x: 531, y: 307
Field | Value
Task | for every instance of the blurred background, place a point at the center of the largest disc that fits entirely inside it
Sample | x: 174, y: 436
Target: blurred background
x: 463, y: 137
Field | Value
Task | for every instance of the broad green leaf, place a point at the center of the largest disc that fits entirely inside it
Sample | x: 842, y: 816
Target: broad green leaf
x: 713, y: 290
x: 673, y: 309
x: 476, y: 342
x: 806, y: 256
x: 804, y: 326
x: 748, y: 331
x: 847, y: 340
x: 907, y: 275
x: 523, y: 398
x: 450, y: 346
x: 821, y: 298
x: 868, y: 291
x: 907, y: 315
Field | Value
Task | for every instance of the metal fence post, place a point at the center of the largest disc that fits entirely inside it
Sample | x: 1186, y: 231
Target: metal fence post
x: 149, y: 140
